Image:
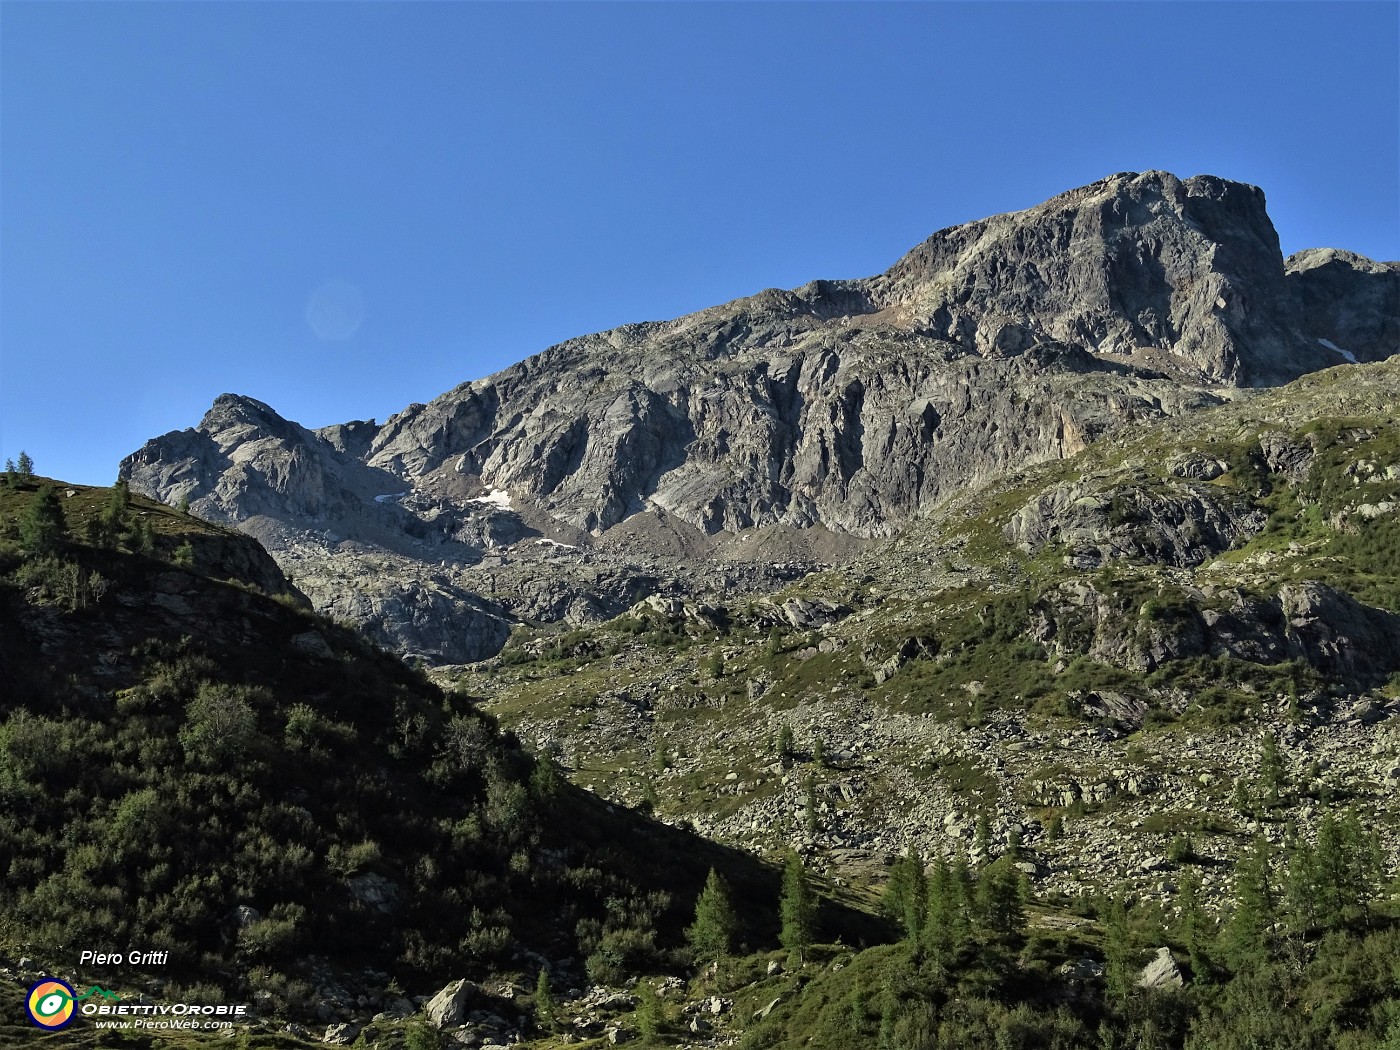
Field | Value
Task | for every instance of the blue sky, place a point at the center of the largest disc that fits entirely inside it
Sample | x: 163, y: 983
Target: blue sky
x: 343, y: 208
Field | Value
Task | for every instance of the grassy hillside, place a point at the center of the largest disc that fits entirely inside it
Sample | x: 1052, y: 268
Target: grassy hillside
x: 1097, y: 655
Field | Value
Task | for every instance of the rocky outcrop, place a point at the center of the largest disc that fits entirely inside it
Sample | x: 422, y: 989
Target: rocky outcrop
x: 245, y: 460
x: 852, y: 428
x: 1336, y: 633
x: 227, y: 555
x: 421, y: 614
x: 840, y: 407
x: 1310, y: 622
x: 1347, y: 303
x: 1137, y: 262
x: 1182, y: 525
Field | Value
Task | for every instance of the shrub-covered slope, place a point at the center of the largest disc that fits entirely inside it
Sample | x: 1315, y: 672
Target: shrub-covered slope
x: 191, y: 764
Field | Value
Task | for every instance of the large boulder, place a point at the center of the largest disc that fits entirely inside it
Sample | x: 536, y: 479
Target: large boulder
x: 448, y: 1008
x: 1161, y: 972
x: 341, y: 1034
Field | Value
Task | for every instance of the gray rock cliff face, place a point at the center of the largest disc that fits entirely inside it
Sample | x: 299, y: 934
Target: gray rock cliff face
x: 649, y: 457
x: 1349, y: 304
x: 1183, y: 526
x: 1308, y: 622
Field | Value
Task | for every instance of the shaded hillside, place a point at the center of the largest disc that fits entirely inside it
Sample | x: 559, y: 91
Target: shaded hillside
x: 191, y: 764
x: 311, y: 827
x: 647, y: 458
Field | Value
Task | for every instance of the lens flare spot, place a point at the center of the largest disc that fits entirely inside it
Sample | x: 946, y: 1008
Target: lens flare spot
x: 335, y: 311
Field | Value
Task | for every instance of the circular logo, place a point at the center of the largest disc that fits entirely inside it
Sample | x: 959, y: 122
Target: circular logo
x: 50, y: 1004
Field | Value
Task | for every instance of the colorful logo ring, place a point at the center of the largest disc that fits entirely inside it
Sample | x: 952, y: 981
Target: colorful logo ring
x: 51, y: 1004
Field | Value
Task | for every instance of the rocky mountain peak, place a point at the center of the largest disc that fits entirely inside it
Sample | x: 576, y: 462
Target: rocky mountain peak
x: 240, y: 405
x: 842, y: 408
x: 237, y: 416
x: 1182, y: 275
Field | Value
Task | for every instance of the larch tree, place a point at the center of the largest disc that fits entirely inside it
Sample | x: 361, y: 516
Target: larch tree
x: 715, y: 928
x: 796, y: 909
x: 43, y: 527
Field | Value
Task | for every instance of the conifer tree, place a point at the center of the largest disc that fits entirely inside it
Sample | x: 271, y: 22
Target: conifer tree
x: 1119, y: 971
x: 1300, y: 891
x: 141, y: 540
x: 1194, y: 927
x: 982, y: 837
x: 810, y: 808
x: 111, y: 521
x: 25, y: 466
x: 964, y: 893
x: 1329, y: 864
x: 96, y: 532
x: 713, y: 665
x: 544, y: 1002
x: 784, y: 746
x: 796, y: 910
x: 942, y: 911
x: 916, y: 900
x: 1248, y: 937
x: 1241, y: 799
x: 43, y: 527
x: 1346, y: 869
x: 119, y: 502
x: 1181, y: 850
x: 713, y: 932
x: 1367, y: 862
x: 947, y: 927
x: 650, y: 1012
x: 544, y: 779
x: 1000, y: 907
x: 1272, y: 774
x: 906, y: 894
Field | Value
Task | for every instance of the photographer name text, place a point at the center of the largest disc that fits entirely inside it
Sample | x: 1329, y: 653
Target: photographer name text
x: 132, y: 958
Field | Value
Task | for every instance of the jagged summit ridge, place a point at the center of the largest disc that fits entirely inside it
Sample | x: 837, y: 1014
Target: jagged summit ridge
x: 1131, y: 262
x: 845, y: 406
x: 1182, y: 278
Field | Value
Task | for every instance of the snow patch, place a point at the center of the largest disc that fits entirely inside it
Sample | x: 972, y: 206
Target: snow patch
x: 499, y: 498
x: 1337, y: 349
x: 556, y: 543
x: 390, y: 497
